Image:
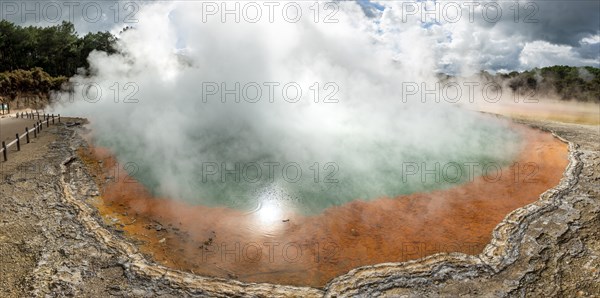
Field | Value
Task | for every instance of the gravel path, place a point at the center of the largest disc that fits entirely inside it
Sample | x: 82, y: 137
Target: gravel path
x: 10, y: 126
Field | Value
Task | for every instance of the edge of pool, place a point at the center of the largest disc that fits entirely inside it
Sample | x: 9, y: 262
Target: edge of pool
x: 503, y: 250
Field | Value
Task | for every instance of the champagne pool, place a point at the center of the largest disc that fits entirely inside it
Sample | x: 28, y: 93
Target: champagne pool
x: 305, y: 232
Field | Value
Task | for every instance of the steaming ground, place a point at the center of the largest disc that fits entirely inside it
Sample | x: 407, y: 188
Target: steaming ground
x: 351, y: 141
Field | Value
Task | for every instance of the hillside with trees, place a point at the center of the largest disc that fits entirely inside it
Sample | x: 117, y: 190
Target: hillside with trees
x: 58, y: 50
x: 564, y: 82
x: 35, y: 60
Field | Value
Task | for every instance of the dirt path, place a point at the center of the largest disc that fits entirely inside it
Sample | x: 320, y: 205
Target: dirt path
x: 11, y: 126
x: 51, y: 243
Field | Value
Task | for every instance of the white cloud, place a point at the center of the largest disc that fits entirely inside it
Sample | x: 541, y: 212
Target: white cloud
x: 542, y: 54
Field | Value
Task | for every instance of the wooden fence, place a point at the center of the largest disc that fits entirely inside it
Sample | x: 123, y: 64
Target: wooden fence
x: 38, y: 127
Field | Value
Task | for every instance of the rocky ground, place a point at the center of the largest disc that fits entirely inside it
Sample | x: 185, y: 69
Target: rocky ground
x: 53, y: 244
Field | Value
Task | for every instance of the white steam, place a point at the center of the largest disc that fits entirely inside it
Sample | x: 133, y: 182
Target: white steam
x: 172, y: 133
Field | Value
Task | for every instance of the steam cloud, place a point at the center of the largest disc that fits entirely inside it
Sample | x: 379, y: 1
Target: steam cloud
x: 176, y: 129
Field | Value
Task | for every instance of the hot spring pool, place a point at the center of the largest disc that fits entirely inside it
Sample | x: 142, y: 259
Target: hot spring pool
x: 288, y: 237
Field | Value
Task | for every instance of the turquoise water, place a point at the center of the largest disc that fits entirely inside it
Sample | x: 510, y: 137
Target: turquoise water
x: 356, y: 168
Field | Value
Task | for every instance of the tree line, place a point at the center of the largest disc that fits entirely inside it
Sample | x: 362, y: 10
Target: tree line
x: 58, y: 50
x: 567, y: 82
x: 40, y: 59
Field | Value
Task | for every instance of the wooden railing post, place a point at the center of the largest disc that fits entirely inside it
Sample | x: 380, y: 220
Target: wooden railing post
x: 52, y: 118
x: 27, y: 134
x: 4, y: 153
x: 18, y: 143
x: 35, y: 129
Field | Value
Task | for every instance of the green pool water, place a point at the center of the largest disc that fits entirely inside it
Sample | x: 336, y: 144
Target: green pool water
x: 236, y: 170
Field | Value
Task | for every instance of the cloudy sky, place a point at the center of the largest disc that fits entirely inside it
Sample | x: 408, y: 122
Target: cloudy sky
x: 467, y: 36
x: 497, y: 36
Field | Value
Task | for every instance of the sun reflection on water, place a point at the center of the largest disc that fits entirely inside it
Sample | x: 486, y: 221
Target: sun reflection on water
x: 273, y: 211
